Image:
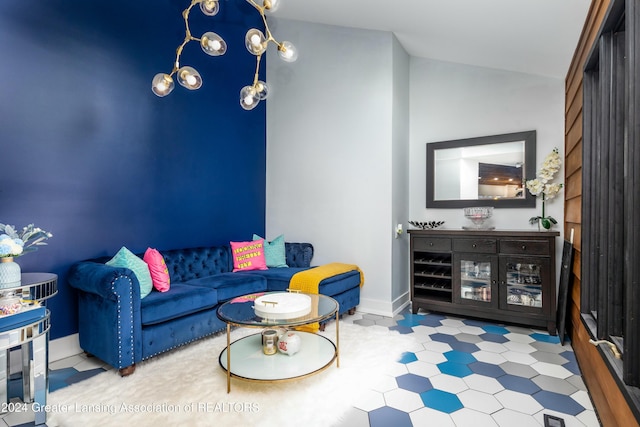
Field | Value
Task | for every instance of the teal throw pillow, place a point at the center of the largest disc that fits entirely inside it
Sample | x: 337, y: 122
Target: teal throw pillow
x: 127, y: 259
x: 274, y: 251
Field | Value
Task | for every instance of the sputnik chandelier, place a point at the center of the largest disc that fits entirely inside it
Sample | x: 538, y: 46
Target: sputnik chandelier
x: 212, y: 44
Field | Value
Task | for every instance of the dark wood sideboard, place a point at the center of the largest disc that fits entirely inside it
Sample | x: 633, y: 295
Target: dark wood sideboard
x: 506, y: 276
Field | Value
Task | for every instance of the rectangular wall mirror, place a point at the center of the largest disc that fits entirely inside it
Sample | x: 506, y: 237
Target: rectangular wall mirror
x: 484, y: 171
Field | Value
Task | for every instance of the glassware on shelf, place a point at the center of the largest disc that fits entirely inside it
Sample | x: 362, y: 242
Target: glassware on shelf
x: 475, y: 284
x: 477, y: 291
x: 524, y: 285
x: 525, y: 296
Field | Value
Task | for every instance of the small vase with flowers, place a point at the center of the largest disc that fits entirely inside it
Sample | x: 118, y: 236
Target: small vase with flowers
x: 14, y: 243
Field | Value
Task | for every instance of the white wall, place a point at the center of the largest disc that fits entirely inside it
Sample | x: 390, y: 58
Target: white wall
x: 400, y: 293
x: 452, y: 101
x: 347, y: 127
x: 331, y: 165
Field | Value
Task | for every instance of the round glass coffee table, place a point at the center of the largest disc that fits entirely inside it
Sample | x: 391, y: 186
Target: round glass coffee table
x: 244, y: 358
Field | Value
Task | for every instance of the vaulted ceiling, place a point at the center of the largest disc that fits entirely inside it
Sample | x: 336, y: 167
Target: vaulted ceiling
x: 530, y: 36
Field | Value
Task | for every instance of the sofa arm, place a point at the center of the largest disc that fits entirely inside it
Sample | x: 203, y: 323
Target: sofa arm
x: 109, y: 318
x: 99, y: 279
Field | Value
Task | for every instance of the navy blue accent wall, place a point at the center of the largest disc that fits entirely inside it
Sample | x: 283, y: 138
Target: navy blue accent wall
x: 88, y: 152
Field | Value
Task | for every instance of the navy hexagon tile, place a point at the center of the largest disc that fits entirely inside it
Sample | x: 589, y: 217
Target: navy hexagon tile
x: 415, y: 383
x: 386, y: 416
x: 519, y: 384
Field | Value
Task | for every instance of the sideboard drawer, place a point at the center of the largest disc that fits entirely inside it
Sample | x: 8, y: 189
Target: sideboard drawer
x: 431, y: 244
x: 525, y: 247
x: 483, y: 246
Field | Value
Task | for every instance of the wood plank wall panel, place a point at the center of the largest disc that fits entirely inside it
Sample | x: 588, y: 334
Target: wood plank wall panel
x: 575, y: 292
x: 608, y: 400
x: 577, y: 244
x: 575, y: 113
x: 574, y: 133
x: 573, y: 211
x: 573, y: 164
x: 572, y: 186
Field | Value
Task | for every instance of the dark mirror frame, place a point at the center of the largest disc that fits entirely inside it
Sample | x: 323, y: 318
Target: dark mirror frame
x: 529, y: 201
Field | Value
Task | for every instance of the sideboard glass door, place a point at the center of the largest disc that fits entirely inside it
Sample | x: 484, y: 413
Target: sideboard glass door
x: 523, y: 283
x: 476, y: 280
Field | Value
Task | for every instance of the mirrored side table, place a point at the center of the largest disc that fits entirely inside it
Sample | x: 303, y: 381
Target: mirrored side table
x: 28, y: 330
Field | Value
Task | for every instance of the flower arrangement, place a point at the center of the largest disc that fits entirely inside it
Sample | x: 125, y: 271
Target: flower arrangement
x: 14, y: 243
x: 542, y: 186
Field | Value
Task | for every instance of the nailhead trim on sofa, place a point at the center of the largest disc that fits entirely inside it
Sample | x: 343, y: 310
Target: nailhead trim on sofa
x: 119, y: 318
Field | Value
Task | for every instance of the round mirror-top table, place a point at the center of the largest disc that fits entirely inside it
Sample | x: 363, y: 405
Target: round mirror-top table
x: 28, y: 329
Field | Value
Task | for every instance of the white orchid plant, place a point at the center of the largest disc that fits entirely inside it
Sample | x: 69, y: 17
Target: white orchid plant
x: 14, y: 243
x: 542, y: 186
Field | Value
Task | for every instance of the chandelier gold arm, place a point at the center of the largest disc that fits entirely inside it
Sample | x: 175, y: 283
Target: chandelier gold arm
x: 214, y: 45
x: 187, y: 35
x: 269, y: 37
x: 255, y: 77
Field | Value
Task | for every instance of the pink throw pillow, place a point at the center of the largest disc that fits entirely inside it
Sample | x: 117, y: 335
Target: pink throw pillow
x: 158, y: 270
x: 248, y: 255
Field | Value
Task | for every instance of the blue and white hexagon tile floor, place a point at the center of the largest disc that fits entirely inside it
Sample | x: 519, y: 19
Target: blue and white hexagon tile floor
x: 474, y: 373
x: 460, y: 372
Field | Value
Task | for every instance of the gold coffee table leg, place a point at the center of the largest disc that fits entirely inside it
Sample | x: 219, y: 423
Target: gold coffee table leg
x: 337, y: 337
x: 228, y: 358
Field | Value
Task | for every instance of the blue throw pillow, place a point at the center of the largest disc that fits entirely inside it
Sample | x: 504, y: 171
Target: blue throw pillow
x: 274, y: 251
x: 127, y: 259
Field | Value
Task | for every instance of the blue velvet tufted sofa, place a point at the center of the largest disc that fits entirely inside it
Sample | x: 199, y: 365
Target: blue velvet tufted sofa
x: 121, y: 329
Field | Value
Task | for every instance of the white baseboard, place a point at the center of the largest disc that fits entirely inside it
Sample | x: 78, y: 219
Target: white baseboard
x: 384, y: 308
x: 401, y: 303
x: 381, y: 308
x: 64, y: 347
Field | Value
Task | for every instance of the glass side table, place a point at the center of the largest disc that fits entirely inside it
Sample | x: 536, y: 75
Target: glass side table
x: 29, y: 330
